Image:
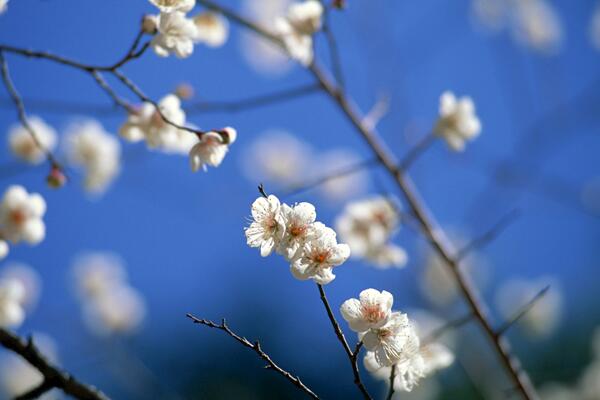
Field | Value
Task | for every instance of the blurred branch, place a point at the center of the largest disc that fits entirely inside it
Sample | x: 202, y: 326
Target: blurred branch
x: 256, y: 347
x: 352, y: 356
x: 377, y: 112
x: 454, y: 324
x: 489, y: 235
x: 416, y: 151
x: 391, y: 389
x: 53, y: 377
x: 521, y: 313
x: 334, y: 54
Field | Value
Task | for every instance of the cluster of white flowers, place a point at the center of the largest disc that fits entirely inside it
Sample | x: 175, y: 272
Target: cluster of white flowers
x: 544, y: 316
x: 310, y: 247
x: 533, y: 23
x: 177, y: 34
x: 21, y: 216
x: 96, y: 151
x: 391, y: 339
x: 12, y: 296
x: 110, y: 304
x: 23, y: 145
x: 296, y: 29
x: 457, y: 122
x: 367, y: 226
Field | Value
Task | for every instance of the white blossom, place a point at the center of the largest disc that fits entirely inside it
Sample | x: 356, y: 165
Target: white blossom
x: 24, y: 146
x: 212, y: 29
x: 545, y: 314
x: 371, y: 310
x: 29, y: 279
x: 457, y: 122
x: 212, y: 148
x: 299, y: 220
x: 168, y: 6
x: 3, y: 6
x: 21, y: 216
x: 97, y: 273
x: 4, y: 249
x: 12, y: 294
x: 537, y: 25
x: 319, y: 255
x: 98, y: 152
x: 147, y: 123
x: 176, y: 35
x: 394, y: 342
x: 306, y: 16
x: 268, y: 226
x: 367, y: 226
x: 296, y: 29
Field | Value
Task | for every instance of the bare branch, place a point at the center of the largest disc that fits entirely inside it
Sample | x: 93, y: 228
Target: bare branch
x: 454, y: 324
x: 521, y: 313
x: 352, y: 356
x: 334, y: 54
x: 110, y: 92
x: 489, y: 235
x: 53, y: 377
x: 414, y: 153
x: 256, y: 347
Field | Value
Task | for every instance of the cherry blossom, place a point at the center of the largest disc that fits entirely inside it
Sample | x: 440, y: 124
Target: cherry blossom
x: 371, y: 310
x: 169, y: 6
x: 21, y: 216
x: 212, y: 29
x: 296, y: 29
x: 299, y: 221
x: 24, y: 146
x: 12, y: 294
x: 268, y: 226
x: 457, y: 122
x: 176, y: 35
x: 212, y: 148
x: 393, y: 342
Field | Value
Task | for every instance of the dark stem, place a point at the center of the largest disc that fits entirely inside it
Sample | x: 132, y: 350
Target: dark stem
x: 391, y: 388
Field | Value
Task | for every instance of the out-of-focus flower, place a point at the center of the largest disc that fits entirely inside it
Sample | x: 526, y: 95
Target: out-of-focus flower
x: 367, y: 225
x: 212, y: 148
x: 341, y: 187
x: 21, y: 216
x: 212, y: 29
x: 457, y: 122
x: 17, y: 376
x: 296, y: 29
x: 371, y: 310
x: 319, y: 255
x: 544, y: 316
x: 306, y: 16
x: 24, y: 146
x: 169, y: 6
x: 278, y: 157
x: 12, y: 294
x: 595, y: 28
x: 3, y: 6
x: 4, y: 249
x: 176, y: 35
x: 28, y: 277
x: 394, y: 342
x: 537, y: 25
x: 299, y: 220
x: 96, y: 151
x: 492, y: 14
x: 110, y: 305
x: 268, y: 226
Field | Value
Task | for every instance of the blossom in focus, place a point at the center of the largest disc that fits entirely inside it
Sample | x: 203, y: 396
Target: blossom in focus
x: 24, y: 146
x: 394, y: 342
x: 299, y: 220
x: 110, y: 306
x: 367, y: 226
x: 371, y: 310
x: 457, y: 122
x: 268, y: 225
x: 21, y: 216
x: 296, y: 29
x: 169, y: 6
x: 96, y: 151
x: 212, y: 29
x: 319, y: 255
x: 544, y: 316
x: 176, y: 35
x: 17, y: 376
x: 12, y: 295
x: 212, y: 148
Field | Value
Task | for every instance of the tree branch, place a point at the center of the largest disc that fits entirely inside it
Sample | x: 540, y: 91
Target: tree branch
x: 391, y: 389
x: 53, y: 377
x: 521, y: 313
x: 256, y: 347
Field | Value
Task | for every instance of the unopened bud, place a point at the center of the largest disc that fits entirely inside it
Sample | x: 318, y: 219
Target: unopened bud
x: 149, y: 24
x: 228, y: 134
x: 56, y: 178
x: 184, y: 91
x: 339, y: 4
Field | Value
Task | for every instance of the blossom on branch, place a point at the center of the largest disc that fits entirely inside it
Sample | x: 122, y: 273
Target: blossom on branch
x: 176, y: 35
x: 299, y: 222
x: 393, y: 342
x: 168, y: 6
x: 296, y: 29
x: 371, y: 310
x: 268, y: 225
x: 212, y: 148
x: 457, y: 122
x: 21, y: 216
x: 212, y: 29
x: 24, y: 146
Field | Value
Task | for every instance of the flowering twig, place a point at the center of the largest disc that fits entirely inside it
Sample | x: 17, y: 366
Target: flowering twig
x: 391, y: 389
x: 295, y: 380
x: 352, y: 356
x: 53, y: 377
x: 521, y: 313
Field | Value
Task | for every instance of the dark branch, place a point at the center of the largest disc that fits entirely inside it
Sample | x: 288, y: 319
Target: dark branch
x: 521, y: 313
x: 454, y: 324
x: 295, y: 380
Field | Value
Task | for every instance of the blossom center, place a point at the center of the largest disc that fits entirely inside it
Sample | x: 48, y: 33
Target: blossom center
x: 17, y: 217
x: 373, y: 313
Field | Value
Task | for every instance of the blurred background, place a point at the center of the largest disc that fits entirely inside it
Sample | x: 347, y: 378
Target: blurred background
x: 179, y: 235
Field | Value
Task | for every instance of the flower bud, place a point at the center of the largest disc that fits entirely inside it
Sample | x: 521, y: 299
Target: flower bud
x: 184, y: 91
x: 339, y: 4
x: 228, y: 135
x: 149, y: 24
x: 56, y: 178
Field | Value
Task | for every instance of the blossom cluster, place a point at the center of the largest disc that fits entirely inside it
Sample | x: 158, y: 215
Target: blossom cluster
x: 296, y: 29
x: 391, y: 339
x: 176, y: 33
x: 367, y: 226
x: 110, y: 304
x: 309, y: 246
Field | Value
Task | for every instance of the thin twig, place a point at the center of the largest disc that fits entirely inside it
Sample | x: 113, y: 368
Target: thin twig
x: 391, y: 389
x: 352, y: 356
x: 53, y: 377
x: 454, y: 324
x: 489, y: 235
x: 256, y: 347
x: 334, y: 54
x: 521, y: 313
x: 110, y: 92
x: 416, y: 151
